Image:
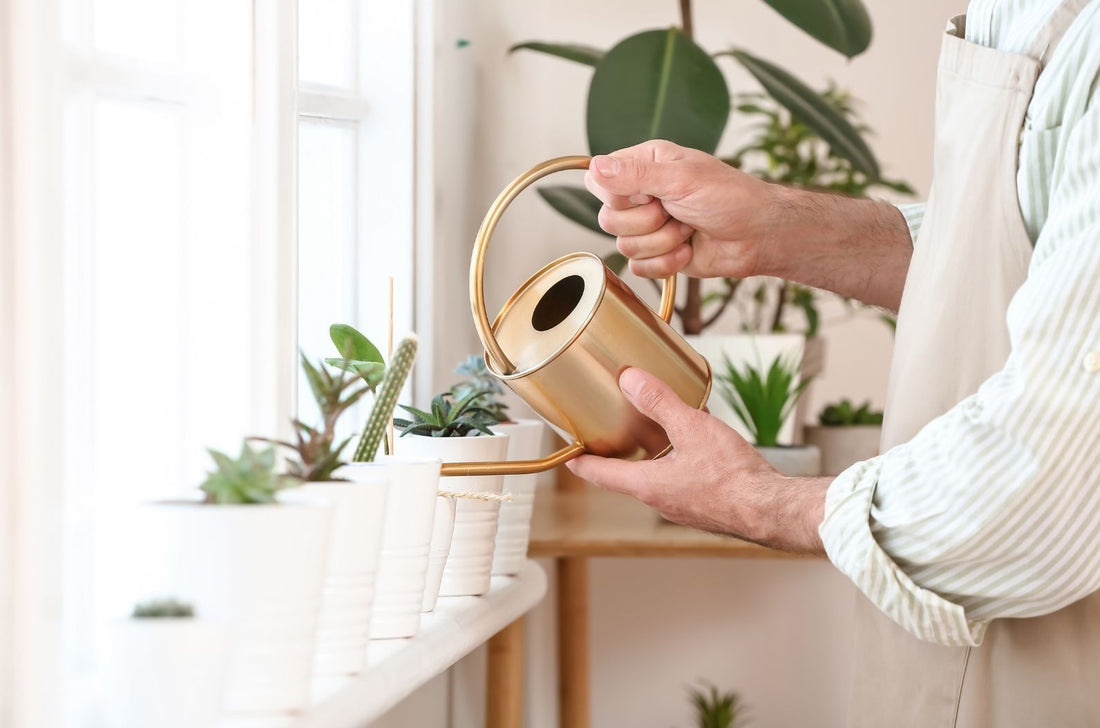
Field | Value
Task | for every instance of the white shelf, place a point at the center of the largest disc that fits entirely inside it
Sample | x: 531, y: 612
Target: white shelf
x: 395, y: 668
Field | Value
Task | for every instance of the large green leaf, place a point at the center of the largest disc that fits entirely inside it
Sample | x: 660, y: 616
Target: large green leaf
x: 812, y: 110
x: 843, y: 25
x: 656, y: 85
x: 353, y: 345
x: 576, y: 203
x: 587, y: 55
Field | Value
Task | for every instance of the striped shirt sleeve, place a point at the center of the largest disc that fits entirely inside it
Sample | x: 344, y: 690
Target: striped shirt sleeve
x: 914, y: 216
x: 993, y: 509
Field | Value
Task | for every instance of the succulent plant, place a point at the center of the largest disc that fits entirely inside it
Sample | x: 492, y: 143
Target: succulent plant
x: 762, y: 400
x: 250, y: 479
x: 449, y: 417
x: 386, y: 398
x: 716, y: 709
x: 844, y: 413
x: 163, y: 609
x: 477, y: 378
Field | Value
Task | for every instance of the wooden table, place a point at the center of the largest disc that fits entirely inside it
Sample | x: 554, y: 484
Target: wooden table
x: 572, y: 524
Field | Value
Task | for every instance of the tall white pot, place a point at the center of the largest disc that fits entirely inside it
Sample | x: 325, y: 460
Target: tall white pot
x: 164, y: 672
x: 514, y: 528
x: 406, y: 537
x: 259, y: 569
x: 443, y: 526
x: 355, y: 542
x: 469, y: 564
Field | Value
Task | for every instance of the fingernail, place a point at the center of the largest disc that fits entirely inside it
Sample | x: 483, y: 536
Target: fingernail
x: 607, y: 166
x: 631, y: 382
x: 640, y: 199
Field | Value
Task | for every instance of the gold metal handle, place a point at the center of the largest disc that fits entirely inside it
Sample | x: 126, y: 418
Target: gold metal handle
x: 514, y: 467
x: 481, y: 248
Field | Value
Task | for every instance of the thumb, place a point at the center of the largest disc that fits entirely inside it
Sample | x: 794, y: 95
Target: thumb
x: 625, y: 175
x: 656, y: 400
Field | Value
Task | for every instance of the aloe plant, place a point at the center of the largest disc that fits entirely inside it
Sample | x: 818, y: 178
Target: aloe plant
x: 717, y: 709
x: 163, y: 609
x: 844, y: 413
x: 386, y: 398
x: 763, y: 400
x: 250, y: 479
x: 449, y: 417
x: 477, y: 378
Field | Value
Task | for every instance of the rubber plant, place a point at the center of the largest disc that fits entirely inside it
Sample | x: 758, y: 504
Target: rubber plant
x: 660, y: 84
x: 762, y: 400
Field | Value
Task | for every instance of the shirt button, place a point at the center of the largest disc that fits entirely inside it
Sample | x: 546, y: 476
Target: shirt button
x: 1092, y: 361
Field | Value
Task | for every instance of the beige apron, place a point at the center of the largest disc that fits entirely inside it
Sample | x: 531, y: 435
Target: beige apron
x: 969, y: 258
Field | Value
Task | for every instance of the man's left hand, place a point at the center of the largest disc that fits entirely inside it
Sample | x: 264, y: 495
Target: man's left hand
x: 712, y: 479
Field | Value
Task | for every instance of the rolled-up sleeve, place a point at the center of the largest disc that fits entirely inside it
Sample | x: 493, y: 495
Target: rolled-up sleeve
x: 993, y: 509
x: 914, y: 216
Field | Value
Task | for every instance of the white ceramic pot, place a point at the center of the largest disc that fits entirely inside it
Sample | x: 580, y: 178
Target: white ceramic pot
x: 402, y: 567
x: 469, y: 564
x: 259, y: 569
x: 443, y: 526
x: 843, y: 446
x: 355, y: 542
x: 514, y: 527
x: 793, y: 460
x: 164, y: 672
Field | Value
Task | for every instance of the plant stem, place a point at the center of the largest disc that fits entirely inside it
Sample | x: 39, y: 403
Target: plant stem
x: 691, y: 317
x: 779, y: 306
x: 685, y: 18
x: 731, y: 289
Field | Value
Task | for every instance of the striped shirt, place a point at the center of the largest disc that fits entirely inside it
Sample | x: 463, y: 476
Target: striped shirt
x: 993, y: 509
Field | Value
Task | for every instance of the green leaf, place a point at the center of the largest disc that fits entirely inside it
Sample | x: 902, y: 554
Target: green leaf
x: 843, y: 25
x: 656, y: 85
x: 576, y: 203
x: 587, y: 55
x: 811, y: 109
x: 372, y: 372
x: 353, y: 345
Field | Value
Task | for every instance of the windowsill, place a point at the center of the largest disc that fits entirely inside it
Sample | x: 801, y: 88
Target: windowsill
x: 395, y: 668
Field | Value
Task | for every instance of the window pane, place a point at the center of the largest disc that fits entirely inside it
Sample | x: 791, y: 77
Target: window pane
x: 148, y: 29
x: 326, y: 42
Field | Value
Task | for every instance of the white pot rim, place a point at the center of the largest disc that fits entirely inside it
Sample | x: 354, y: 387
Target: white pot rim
x: 290, y: 500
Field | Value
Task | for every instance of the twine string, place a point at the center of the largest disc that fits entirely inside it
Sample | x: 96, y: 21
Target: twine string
x: 477, y: 495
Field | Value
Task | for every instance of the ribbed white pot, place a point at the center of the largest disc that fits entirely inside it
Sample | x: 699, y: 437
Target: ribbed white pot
x: 407, y: 533
x: 469, y: 564
x: 164, y: 672
x: 443, y: 526
x: 843, y: 445
x: 514, y: 527
x: 355, y: 543
x: 258, y: 568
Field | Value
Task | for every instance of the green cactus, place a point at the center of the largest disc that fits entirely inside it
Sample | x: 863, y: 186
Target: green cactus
x: 386, y: 399
x: 250, y: 479
x: 163, y: 609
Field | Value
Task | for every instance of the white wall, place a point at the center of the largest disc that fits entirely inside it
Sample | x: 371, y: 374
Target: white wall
x: 775, y: 631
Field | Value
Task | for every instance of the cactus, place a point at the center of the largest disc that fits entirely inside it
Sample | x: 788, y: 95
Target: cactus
x: 163, y: 608
x: 386, y: 399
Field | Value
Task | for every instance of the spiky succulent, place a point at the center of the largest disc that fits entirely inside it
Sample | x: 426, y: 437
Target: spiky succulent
x: 717, y: 709
x: 449, y: 417
x: 762, y: 400
x: 844, y: 413
x: 476, y: 377
x: 250, y: 479
x: 163, y: 609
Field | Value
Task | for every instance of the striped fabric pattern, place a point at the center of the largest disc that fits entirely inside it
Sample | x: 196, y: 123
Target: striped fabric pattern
x: 993, y: 509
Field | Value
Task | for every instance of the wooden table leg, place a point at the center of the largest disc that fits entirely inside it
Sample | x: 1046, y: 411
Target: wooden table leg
x: 504, y: 701
x: 573, y: 642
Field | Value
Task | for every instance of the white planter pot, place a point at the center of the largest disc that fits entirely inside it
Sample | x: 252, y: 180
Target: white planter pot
x: 355, y: 542
x: 164, y: 672
x: 407, y: 533
x: 470, y: 561
x: 259, y: 569
x: 514, y: 528
x: 794, y: 460
x: 843, y: 446
x: 443, y: 526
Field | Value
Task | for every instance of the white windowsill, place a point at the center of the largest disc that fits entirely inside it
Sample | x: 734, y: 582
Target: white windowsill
x: 395, y: 668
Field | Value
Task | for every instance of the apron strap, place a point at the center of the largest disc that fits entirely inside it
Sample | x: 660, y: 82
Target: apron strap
x: 1046, y: 40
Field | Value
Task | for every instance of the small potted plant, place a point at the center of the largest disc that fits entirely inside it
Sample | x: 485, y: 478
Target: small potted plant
x: 232, y: 553
x: 164, y: 668
x: 846, y: 435
x: 762, y: 401
x: 717, y: 709
x: 460, y: 430
x: 525, y: 442
x: 411, y: 504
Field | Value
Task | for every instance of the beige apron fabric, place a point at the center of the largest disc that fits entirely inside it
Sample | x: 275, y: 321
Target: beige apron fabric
x: 969, y: 258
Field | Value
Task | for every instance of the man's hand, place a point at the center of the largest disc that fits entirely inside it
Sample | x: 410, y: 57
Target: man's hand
x: 713, y: 479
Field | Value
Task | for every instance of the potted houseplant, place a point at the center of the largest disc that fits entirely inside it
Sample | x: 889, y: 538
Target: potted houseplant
x: 232, y: 553
x: 164, y: 668
x: 717, y: 709
x: 524, y: 443
x: 461, y: 431
x: 412, y: 502
x: 846, y: 435
x: 763, y: 400
x: 358, y: 507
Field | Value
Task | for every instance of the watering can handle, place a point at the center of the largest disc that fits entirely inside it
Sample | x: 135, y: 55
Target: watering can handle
x: 481, y: 248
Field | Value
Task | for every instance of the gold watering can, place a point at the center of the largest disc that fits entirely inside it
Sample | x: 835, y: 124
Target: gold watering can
x: 562, y: 340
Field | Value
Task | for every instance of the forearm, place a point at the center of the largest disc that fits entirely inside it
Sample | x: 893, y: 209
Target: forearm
x: 856, y: 248
x: 795, y: 514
